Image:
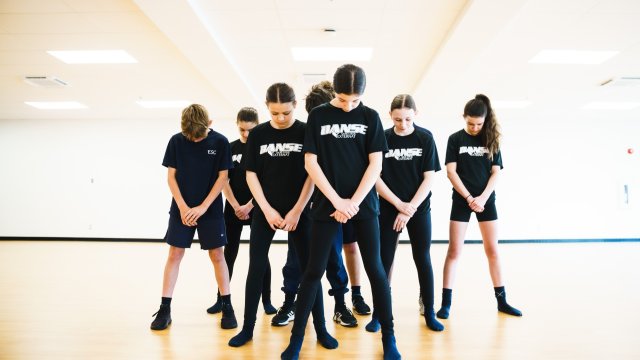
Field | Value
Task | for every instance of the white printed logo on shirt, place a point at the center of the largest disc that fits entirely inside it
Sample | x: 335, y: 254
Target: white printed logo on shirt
x: 236, y: 158
x: 403, y: 154
x: 280, y: 149
x: 343, y: 131
x: 473, y: 150
x: 211, y: 152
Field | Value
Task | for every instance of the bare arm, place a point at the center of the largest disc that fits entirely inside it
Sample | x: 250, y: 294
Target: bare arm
x: 371, y: 175
x: 386, y: 193
x: 491, y: 185
x: 195, y: 213
x: 290, y: 222
x: 424, y: 189
x: 273, y: 217
x: 177, y: 196
x: 241, y: 210
x: 460, y: 188
x: 320, y: 180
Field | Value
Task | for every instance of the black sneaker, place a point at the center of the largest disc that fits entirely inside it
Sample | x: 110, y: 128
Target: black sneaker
x: 163, y: 318
x: 228, y: 317
x: 359, y: 306
x: 284, y: 315
x: 217, y: 307
x: 344, y: 317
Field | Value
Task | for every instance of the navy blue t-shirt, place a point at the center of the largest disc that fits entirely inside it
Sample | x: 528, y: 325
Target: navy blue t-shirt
x: 197, y: 165
x: 343, y: 141
x: 404, y: 165
x: 277, y: 158
x: 473, y: 166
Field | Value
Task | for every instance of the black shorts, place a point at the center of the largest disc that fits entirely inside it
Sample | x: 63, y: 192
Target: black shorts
x: 348, y: 234
x: 460, y: 211
x: 211, y: 233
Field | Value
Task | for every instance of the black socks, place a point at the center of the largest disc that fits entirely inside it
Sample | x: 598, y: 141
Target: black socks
x: 327, y: 341
x: 430, y: 319
x: 292, y: 352
x: 389, y: 347
x: 225, y: 299
x: 501, y: 297
x: 243, y: 337
x: 443, y: 313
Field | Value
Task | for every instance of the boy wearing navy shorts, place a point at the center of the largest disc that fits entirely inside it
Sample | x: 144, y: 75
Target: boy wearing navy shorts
x: 198, y: 160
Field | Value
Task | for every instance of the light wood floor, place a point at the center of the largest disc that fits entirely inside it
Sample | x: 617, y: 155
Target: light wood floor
x: 79, y: 300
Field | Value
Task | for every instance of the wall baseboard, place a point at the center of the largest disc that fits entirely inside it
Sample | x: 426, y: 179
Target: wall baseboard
x: 508, y: 241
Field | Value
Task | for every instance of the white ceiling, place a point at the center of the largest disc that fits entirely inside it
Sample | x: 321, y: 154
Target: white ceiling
x: 224, y: 54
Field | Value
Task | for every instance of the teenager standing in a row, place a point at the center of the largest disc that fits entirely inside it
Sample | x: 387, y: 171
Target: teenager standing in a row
x: 473, y: 163
x: 404, y: 186
x: 281, y: 190
x: 344, y: 144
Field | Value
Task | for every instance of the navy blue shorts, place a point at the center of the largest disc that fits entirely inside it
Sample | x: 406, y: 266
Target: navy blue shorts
x: 211, y: 233
x: 460, y: 211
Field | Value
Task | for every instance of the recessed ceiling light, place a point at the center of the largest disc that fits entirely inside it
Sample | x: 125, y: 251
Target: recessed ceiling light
x: 163, y: 104
x: 572, y: 57
x: 332, y: 53
x: 611, y: 105
x: 56, y: 105
x: 94, y: 57
x: 510, y: 104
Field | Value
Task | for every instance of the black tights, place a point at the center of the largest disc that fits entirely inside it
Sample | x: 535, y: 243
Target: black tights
x: 323, y: 234
x: 260, y: 241
x: 419, y: 229
x: 234, y: 230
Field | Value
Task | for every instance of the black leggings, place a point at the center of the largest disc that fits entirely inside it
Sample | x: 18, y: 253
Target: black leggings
x: 260, y: 241
x: 323, y: 235
x: 419, y: 229
x: 234, y: 230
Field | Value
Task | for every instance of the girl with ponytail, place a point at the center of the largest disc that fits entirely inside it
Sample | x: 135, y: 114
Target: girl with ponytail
x: 473, y: 162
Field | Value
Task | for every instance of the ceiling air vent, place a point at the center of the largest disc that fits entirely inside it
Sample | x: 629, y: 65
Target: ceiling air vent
x: 625, y: 81
x: 45, y: 81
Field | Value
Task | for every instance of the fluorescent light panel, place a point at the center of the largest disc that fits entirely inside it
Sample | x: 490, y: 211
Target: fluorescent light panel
x: 56, y: 105
x: 611, y: 105
x: 510, y: 104
x: 332, y: 53
x: 94, y: 57
x: 578, y: 57
x: 163, y: 104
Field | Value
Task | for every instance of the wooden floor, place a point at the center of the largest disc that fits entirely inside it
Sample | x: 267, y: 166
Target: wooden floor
x: 79, y: 300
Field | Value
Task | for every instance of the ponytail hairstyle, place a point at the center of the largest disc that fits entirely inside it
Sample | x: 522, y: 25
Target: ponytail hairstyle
x: 247, y: 114
x: 195, y: 122
x: 403, y: 101
x: 320, y: 93
x: 349, y: 79
x: 280, y: 93
x: 490, y: 132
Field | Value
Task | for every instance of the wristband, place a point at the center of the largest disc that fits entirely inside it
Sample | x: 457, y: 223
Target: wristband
x: 467, y: 197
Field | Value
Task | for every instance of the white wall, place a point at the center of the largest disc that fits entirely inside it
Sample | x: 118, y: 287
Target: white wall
x: 103, y: 179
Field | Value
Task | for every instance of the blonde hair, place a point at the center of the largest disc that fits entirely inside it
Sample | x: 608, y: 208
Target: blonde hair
x: 195, y: 122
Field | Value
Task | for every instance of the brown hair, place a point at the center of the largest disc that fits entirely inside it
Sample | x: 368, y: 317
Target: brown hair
x: 195, y: 122
x: 403, y: 101
x: 490, y: 132
x: 248, y: 114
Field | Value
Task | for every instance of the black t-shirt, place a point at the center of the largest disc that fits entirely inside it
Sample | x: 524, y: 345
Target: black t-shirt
x: 277, y: 159
x: 404, y: 165
x: 197, y: 165
x: 472, y: 164
x: 343, y: 141
x: 237, y: 175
